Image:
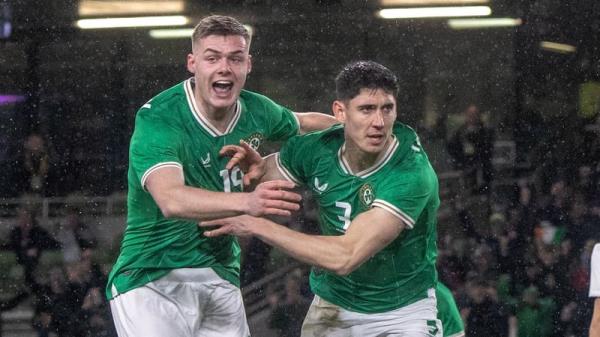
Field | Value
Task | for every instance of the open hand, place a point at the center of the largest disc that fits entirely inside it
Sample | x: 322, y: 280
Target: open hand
x: 241, y: 225
x: 273, y: 198
x: 249, y: 161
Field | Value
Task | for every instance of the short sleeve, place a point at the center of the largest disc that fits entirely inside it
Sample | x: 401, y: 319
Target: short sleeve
x: 293, y: 160
x: 282, y: 121
x: 406, y: 194
x: 595, y: 272
x: 154, y: 145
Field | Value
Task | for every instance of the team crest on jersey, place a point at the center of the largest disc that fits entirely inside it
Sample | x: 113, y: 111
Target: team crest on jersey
x: 254, y: 140
x: 366, y: 195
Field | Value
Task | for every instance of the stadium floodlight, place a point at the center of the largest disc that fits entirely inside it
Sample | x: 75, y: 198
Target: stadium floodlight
x: 131, y: 7
x: 431, y: 2
x: 171, y: 33
x: 556, y: 47
x: 130, y: 22
x: 181, y: 33
x: 458, y: 24
x: 434, y: 12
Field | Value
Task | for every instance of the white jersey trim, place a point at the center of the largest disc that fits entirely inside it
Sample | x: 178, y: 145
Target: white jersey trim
x: 201, y: 119
x: 458, y: 334
x: 297, y: 121
x: 410, y: 223
x: 595, y: 272
x: 373, y: 169
x: 156, y: 168
x: 287, y: 174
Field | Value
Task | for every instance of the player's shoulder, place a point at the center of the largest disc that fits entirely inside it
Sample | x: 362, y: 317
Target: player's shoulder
x: 251, y: 98
x: 596, y: 253
x: 165, y: 100
x: 318, y: 143
x: 404, y: 133
x: 332, y: 134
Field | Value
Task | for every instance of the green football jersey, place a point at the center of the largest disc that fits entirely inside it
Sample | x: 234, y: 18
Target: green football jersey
x: 448, y: 312
x: 403, y: 183
x: 170, y: 131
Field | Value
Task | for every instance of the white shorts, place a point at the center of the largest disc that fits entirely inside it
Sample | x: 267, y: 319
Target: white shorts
x: 187, y: 302
x: 418, y: 319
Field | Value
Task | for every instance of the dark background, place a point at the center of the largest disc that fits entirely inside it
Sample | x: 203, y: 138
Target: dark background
x: 82, y: 87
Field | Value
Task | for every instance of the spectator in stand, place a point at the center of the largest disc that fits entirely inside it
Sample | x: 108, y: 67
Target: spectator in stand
x: 28, y: 240
x: 74, y: 236
x: 484, y: 315
x: 535, y: 315
x: 35, y: 164
x: 471, y: 148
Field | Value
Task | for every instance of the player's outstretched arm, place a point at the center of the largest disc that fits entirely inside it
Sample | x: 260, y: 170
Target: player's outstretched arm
x: 314, y: 121
x: 368, y: 233
x: 256, y: 169
x: 176, y: 200
x: 595, y: 323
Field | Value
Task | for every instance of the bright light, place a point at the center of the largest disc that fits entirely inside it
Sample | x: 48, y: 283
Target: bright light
x: 181, y: 33
x: 140, y: 21
x: 431, y: 2
x: 483, y: 23
x: 171, y: 33
x: 558, y: 47
x: 112, y: 7
x: 434, y: 12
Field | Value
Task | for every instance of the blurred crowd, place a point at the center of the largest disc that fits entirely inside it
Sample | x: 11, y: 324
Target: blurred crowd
x: 67, y: 295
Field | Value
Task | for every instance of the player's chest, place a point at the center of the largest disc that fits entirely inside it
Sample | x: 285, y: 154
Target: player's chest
x: 341, y: 197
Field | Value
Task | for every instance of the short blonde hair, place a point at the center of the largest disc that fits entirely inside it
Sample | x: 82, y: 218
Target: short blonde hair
x: 219, y: 25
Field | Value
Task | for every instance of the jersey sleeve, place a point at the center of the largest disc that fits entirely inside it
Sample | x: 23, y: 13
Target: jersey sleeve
x: 406, y: 194
x: 154, y: 145
x: 283, y: 123
x: 294, y: 161
x: 595, y: 272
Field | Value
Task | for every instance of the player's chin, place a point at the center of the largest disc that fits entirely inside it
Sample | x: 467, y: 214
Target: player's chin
x: 223, y: 102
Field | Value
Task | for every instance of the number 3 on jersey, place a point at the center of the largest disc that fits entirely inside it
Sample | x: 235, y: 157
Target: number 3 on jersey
x: 347, y: 211
x: 231, y: 179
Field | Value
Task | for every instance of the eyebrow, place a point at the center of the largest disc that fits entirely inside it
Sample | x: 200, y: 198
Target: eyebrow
x: 210, y: 50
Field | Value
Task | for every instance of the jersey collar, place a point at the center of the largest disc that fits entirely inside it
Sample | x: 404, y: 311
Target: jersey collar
x: 376, y: 167
x: 201, y: 119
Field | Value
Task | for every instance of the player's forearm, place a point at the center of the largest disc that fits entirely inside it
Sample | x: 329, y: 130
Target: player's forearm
x: 595, y: 324
x: 199, y: 204
x: 314, y: 121
x: 328, y: 252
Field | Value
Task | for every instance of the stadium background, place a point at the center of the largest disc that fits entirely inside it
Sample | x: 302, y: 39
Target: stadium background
x: 78, y: 89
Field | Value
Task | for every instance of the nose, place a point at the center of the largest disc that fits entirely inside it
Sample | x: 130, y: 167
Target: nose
x: 378, y: 121
x: 224, y: 67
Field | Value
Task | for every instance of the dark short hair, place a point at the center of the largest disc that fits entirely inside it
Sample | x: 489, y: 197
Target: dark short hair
x: 219, y: 25
x: 364, y: 74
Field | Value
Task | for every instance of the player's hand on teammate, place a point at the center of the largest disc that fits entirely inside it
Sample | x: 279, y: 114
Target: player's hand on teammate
x: 248, y: 159
x: 238, y: 225
x: 273, y: 198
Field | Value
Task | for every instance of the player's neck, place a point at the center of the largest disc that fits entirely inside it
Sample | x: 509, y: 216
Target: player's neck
x: 218, y: 117
x: 359, y: 160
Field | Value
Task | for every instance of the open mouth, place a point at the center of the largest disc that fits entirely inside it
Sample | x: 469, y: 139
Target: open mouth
x: 222, y: 87
x: 376, y: 139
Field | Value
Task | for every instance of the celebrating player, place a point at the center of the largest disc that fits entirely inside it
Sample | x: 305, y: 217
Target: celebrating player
x: 374, y: 264
x: 170, y: 280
